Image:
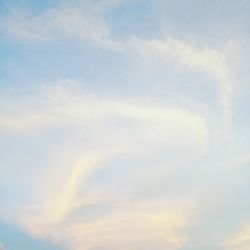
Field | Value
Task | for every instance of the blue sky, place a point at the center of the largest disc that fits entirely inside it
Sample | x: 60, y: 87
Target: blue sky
x: 124, y: 125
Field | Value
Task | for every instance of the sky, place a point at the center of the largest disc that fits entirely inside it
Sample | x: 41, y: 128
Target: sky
x: 124, y: 124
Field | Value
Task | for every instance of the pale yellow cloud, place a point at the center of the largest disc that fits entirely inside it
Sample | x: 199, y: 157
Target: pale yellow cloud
x: 61, y: 196
x: 153, y: 224
x: 240, y: 240
x: 148, y: 126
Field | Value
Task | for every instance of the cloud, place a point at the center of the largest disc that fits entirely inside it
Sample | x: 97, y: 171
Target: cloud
x: 204, y: 58
x: 87, y: 21
x: 62, y: 195
x: 102, y: 129
x: 66, y: 21
x: 240, y: 240
x: 116, y: 172
x: 60, y: 106
x: 14, y: 237
x: 185, y: 55
x: 155, y: 224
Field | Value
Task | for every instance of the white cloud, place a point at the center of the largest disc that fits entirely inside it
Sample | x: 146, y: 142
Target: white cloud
x: 183, y: 53
x: 81, y: 21
x: 189, y: 56
x: 64, y: 21
x: 149, y: 121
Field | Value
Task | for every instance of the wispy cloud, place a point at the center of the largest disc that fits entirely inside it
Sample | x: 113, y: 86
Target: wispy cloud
x: 100, y: 121
x: 140, y: 226
x: 240, y: 240
x: 66, y: 21
x: 62, y: 107
x: 84, y: 21
x: 144, y: 153
x: 185, y: 54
